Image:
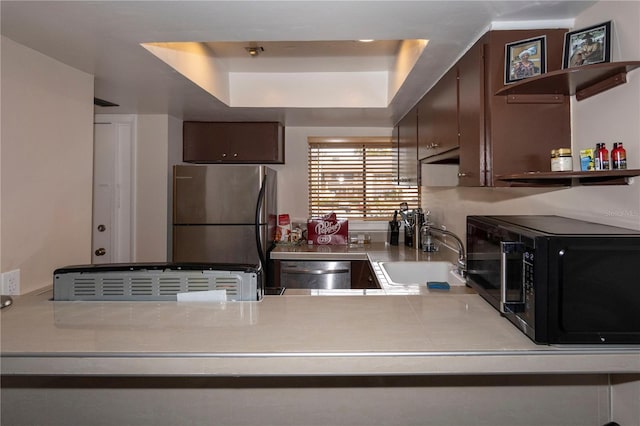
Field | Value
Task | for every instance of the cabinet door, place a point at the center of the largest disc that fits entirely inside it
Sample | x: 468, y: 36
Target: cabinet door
x: 233, y: 142
x: 362, y: 276
x: 471, y: 117
x: 408, y: 149
x: 255, y: 143
x: 522, y: 129
x: 395, y: 149
x: 438, y: 117
x: 203, y: 142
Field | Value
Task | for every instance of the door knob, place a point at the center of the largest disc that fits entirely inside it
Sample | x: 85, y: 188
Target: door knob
x: 101, y: 228
x: 100, y: 252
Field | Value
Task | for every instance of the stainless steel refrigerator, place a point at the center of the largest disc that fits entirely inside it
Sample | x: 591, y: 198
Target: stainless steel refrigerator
x: 224, y: 214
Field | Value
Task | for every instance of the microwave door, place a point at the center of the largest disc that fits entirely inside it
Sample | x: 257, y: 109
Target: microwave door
x: 512, y: 270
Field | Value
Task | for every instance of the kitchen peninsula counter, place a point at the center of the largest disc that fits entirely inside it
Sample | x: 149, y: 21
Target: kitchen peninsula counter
x: 348, y: 358
x: 381, y: 331
x: 438, y: 333
x: 402, y: 359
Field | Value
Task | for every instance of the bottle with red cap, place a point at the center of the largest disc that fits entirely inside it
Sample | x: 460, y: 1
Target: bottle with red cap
x: 618, y: 157
x: 602, y: 157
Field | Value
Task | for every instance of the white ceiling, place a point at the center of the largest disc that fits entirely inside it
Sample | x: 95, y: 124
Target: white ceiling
x: 104, y: 39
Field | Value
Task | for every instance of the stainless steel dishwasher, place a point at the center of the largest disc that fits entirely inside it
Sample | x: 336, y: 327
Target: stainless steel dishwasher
x: 320, y: 274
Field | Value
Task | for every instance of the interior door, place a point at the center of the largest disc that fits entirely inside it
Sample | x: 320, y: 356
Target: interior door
x: 103, y: 192
x: 112, y: 229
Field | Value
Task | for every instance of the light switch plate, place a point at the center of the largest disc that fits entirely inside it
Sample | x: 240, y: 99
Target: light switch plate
x: 11, y: 283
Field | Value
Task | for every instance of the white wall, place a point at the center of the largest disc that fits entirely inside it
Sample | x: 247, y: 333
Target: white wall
x: 151, y: 215
x: 46, y: 165
x: 608, y: 117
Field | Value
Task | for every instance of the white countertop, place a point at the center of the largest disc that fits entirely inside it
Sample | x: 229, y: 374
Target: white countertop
x: 374, y: 251
x: 376, y: 254
x: 439, y: 333
x: 381, y: 332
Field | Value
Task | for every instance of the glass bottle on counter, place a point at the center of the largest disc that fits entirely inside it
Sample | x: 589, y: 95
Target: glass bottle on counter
x: 618, y: 157
x: 602, y: 157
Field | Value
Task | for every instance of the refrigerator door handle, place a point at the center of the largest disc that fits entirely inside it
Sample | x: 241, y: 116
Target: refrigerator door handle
x: 263, y: 261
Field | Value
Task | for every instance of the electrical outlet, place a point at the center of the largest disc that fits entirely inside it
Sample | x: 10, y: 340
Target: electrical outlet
x: 11, y: 283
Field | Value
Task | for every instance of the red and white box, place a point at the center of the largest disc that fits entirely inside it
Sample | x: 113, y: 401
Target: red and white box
x: 283, y: 231
x: 328, y: 230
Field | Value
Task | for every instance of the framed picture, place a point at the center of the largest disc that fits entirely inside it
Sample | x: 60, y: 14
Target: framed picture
x: 525, y: 58
x: 587, y: 46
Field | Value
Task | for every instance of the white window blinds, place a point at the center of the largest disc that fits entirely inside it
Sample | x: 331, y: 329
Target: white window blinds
x: 355, y: 178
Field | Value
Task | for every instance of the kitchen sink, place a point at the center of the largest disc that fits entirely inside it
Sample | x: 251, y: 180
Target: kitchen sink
x: 406, y: 273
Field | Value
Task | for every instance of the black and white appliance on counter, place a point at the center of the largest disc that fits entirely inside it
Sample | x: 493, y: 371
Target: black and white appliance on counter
x: 224, y: 214
x: 557, y: 279
x: 154, y: 281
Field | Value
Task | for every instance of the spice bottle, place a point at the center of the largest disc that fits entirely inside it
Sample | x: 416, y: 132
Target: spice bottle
x: 602, y: 157
x: 618, y: 157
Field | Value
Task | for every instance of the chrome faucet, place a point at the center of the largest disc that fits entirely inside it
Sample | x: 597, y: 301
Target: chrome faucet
x: 427, y: 229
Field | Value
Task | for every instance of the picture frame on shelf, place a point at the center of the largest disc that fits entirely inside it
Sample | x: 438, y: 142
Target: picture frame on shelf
x: 591, y: 45
x: 525, y: 58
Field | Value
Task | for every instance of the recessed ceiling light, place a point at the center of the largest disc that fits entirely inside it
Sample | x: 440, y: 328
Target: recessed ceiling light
x: 254, y: 50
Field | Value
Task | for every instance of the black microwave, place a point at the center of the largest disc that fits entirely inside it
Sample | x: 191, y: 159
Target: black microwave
x: 559, y: 280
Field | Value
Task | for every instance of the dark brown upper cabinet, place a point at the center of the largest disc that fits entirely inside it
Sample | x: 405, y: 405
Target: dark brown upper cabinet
x: 471, y: 158
x: 233, y: 142
x: 438, y: 117
x: 520, y: 131
x: 395, y: 152
x: 408, y: 166
x: 491, y: 135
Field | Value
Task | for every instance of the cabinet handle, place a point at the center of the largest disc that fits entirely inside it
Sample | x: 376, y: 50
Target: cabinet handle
x: 224, y: 155
x: 315, y: 271
x: 235, y: 154
x: 463, y: 174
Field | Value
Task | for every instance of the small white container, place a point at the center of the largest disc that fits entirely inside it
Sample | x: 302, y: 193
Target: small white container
x: 561, y: 160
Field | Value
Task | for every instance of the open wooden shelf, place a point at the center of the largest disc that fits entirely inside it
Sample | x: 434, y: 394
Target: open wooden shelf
x: 604, y: 177
x: 584, y: 81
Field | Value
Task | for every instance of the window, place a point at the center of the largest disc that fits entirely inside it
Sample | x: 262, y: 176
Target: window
x: 356, y: 178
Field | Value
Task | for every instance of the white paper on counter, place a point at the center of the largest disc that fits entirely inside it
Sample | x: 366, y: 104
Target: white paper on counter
x: 203, y: 296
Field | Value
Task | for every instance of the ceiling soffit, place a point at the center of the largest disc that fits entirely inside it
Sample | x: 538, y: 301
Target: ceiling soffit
x: 314, y: 74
